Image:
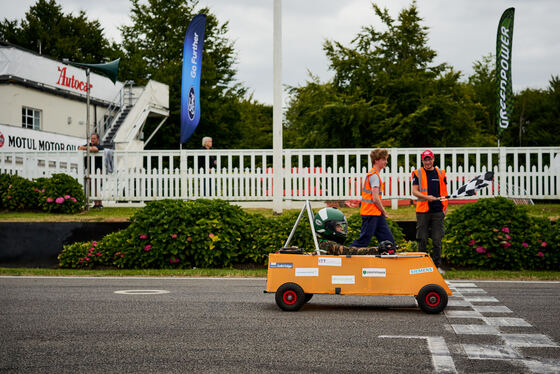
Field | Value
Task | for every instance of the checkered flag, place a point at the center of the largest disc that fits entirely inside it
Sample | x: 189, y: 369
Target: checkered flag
x: 474, y: 185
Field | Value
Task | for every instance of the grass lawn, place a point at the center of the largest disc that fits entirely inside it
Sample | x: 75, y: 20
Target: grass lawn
x: 112, y: 214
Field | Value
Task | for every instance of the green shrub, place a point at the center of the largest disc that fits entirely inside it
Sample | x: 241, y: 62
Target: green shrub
x: 5, y: 181
x: 60, y: 194
x: 19, y: 194
x: 177, y: 234
x: 497, y: 234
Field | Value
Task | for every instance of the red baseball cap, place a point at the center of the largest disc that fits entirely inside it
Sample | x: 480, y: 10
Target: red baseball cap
x: 427, y: 153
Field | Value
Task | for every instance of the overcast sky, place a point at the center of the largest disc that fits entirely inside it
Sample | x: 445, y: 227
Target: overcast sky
x: 461, y: 31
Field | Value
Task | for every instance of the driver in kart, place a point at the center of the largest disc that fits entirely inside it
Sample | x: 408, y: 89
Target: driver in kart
x: 332, y: 228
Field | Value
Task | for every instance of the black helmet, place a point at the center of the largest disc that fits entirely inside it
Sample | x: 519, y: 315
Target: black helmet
x: 386, y: 247
x: 331, y: 224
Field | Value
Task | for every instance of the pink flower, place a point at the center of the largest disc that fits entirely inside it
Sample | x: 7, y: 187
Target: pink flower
x: 143, y: 236
x: 122, y: 255
x: 540, y: 254
x: 148, y: 247
x: 94, y: 243
x: 10, y: 186
x: 67, y: 197
x: 480, y: 249
x: 87, y: 258
x: 211, y: 235
x: 42, y: 191
x: 59, y: 200
x: 505, y: 229
x: 99, y: 254
x: 544, y: 244
x: 92, y: 249
x: 73, y: 199
x: 507, y: 236
x: 506, y: 244
x: 174, y: 236
x: 50, y: 199
x: 525, y: 244
x: 472, y: 242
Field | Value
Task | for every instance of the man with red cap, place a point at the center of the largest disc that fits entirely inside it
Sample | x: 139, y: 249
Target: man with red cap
x: 429, y: 185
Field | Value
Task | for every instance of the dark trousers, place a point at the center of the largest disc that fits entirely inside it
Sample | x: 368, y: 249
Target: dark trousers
x: 373, y: 225
x: 426, y: 222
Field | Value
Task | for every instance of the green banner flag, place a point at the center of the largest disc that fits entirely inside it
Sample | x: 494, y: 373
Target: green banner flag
x: 504, y: 42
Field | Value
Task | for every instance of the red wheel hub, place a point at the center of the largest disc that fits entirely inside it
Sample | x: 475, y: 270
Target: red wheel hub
x: 289, y: 297
x: 433, y: 299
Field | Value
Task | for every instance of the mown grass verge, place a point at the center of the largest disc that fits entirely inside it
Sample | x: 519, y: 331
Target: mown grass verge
x: 239, y: 273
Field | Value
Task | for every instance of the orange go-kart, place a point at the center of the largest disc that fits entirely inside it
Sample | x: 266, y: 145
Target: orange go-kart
x: 295, y: 275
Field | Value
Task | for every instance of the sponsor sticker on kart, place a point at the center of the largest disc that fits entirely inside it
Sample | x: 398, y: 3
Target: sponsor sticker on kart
x: 329, y: 261
x: 307, y: 272
x: 281, y: 265
x: 421, y: 270
x: 374, y: 272
x: 343, y: 279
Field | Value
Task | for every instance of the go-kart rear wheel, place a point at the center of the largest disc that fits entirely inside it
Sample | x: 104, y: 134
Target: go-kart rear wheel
x: 308, y: 297
x: 432, y: 299
x: 290, y: 297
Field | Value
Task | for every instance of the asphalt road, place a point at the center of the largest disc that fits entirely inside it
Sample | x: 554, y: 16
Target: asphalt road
x: 81, y: 325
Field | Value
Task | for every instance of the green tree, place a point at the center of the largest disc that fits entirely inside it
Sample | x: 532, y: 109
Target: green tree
x: 154, y: 45
x: 483, y: 84
x: 386, y: 91
x: 58, y: 35
x: 538, y: 112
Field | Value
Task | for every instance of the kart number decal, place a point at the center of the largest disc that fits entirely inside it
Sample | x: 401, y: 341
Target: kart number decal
x: 281, y: 265
x: 374, y: 272
x: 343, y: 279
x: 307, y: 272
x: 329, y: 261
x: 422, y: 270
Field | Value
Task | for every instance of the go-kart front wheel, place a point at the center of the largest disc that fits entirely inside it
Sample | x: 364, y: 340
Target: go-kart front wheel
x: 432, y: 299
x: 290, y: 297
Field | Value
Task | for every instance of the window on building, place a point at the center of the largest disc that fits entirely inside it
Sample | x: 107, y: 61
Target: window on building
x: 30, y: 118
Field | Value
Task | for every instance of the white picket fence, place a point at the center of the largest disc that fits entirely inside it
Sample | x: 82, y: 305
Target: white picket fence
x: 308, y: 174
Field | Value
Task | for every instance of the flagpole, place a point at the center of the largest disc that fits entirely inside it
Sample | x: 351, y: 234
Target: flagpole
x: 278, y: 179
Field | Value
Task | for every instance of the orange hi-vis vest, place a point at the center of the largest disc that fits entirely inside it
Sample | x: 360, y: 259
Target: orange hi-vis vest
x: 422, y: 205
x: 368, y: 208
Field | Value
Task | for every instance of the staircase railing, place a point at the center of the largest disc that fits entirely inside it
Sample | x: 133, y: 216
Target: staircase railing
x: 123, y: 98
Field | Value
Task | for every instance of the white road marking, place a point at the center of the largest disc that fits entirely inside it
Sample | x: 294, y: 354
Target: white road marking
x: 458, y: 302
x: 492, y: 309
x: 507, y: 321
x: 441, y: 357
x: 475, y: 329
x: 457, y: 285
x: 141, y: 292
x: 481, y: 299
x: 528, y: 340
x: 472, y: 290
x: 490, y: 352
x: 543, y: 366
x: 462, y: 314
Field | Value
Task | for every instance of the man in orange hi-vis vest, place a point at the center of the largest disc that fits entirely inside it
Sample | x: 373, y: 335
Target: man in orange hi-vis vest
x: 429, y: 185
x: 372, y: 211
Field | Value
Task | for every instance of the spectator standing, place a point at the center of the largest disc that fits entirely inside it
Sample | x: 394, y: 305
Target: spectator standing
x: 95, y: 147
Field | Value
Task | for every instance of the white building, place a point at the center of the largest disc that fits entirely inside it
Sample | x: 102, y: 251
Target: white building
x: 43, y: 105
